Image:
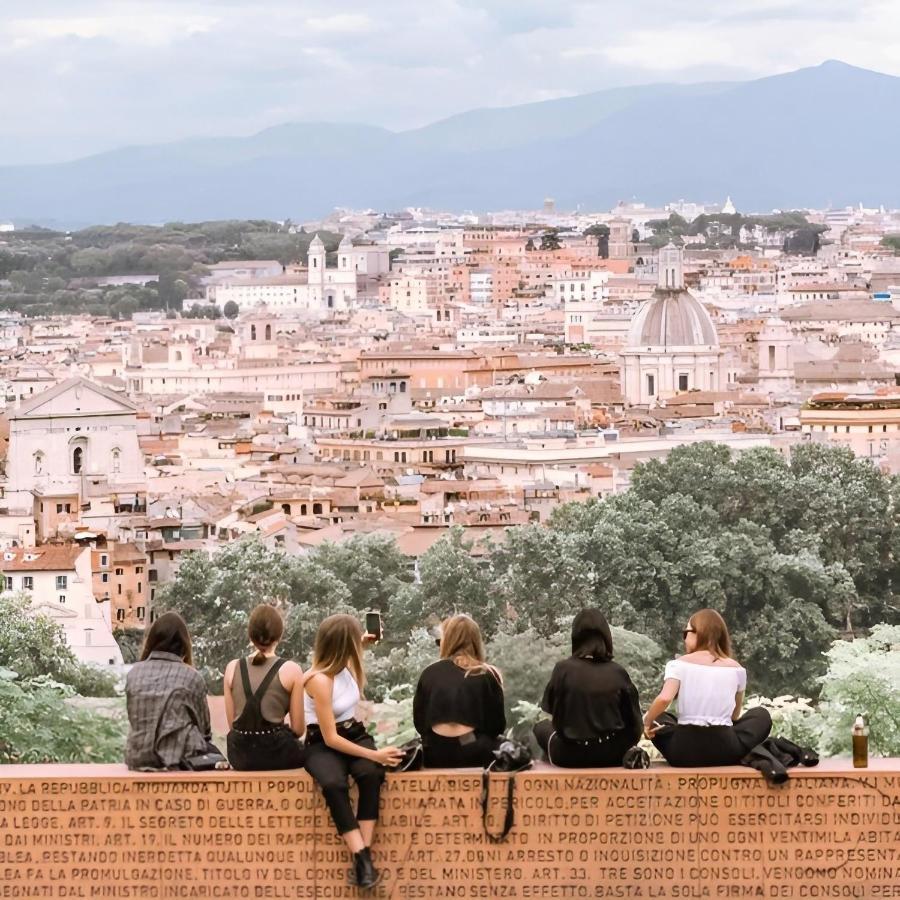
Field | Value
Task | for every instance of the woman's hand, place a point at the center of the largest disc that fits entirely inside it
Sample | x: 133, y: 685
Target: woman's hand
x: 388, y: 756
x: 650, y: 729
x: 368, y: 639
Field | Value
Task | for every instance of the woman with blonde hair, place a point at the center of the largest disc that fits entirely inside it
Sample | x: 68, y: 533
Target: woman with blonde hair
x: 259, y: 693
x: 458, y: 706
x: 709, y: 684
x: 338, y: 745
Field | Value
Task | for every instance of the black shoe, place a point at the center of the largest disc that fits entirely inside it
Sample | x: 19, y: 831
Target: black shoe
x: 367, y: 876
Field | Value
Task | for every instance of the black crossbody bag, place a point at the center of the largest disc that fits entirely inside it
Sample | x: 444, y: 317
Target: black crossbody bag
x: 511, y: 757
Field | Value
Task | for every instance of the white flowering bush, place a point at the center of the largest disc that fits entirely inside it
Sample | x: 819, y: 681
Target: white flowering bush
x: 863, y: 678
x: 793, y: 718
x: 392, y: 718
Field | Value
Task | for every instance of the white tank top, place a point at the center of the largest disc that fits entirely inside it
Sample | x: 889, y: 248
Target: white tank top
x: 706, y: 695
x: 344, y: 699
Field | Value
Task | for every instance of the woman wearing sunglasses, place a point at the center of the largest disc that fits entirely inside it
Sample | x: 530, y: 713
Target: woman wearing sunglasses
x: 709, y: 684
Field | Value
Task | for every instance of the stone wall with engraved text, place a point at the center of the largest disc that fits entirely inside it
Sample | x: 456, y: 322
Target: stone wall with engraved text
x: 98, y: 832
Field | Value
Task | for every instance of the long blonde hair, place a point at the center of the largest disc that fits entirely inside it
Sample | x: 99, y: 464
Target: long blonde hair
x: 461, y: 641
x: 338, y: 646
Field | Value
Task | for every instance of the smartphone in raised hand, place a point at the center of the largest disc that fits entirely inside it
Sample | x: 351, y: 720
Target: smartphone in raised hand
x: 374, y: 625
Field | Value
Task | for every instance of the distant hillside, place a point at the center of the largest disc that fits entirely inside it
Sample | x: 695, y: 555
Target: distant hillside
x: 818, y: 136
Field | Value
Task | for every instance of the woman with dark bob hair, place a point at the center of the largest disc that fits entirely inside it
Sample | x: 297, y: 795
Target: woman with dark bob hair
x: 709, y: 684
x: 259, y: 693
x: 168, y: 716
x: 596, y: 716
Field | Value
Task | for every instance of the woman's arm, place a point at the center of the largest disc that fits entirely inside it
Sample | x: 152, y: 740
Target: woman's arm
x: 668, y: 693
x: 321, y: 688
x: 202, y: 706
x: 226, y: 689
x: 419, y: 707
x: 631, y: 708
x: 295, y: 709
x: 549, y: 699
x: 738, y: 703
x: 495, y: 714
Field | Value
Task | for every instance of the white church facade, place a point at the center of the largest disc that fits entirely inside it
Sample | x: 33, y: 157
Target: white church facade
x: 317, y: 289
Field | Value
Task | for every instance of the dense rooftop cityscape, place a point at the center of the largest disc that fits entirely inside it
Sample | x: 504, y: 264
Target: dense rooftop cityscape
x: 407, y: 372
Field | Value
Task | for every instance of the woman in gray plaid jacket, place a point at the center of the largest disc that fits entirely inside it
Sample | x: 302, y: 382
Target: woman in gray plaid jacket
x: 168, y: 715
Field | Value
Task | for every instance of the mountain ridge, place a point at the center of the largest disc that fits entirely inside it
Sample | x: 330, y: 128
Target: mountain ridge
x: 784, y: 140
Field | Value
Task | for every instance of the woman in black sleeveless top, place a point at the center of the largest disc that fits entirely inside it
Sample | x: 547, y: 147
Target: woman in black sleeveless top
x: 258, y: 696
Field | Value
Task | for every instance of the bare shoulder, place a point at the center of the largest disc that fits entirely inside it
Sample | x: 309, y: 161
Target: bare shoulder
x: 731, y: 663
x: 318, y: 683
x: 229, y: 671
x: 290, y: 674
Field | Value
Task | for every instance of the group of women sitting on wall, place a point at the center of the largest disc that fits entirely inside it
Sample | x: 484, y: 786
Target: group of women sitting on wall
x: 458, y: 709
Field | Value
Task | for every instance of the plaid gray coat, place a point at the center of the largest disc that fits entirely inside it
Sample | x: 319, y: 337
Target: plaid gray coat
x: 167, y: 712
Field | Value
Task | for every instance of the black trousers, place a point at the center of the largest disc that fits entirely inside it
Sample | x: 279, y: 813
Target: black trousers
x: 279, y: 748
x: 332, y: 771
x: 686, y: 746
x: 576, y: 755
x: 474, y: 750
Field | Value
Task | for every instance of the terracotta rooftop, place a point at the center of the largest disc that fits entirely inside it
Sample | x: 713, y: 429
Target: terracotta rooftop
x: 47, y: 558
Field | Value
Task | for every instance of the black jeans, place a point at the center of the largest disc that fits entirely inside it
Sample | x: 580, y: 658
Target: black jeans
x: 577, y: 755
x: 264, y: 751
x: 332, y: 771
x: 473, y: 750
x: 686, y: 746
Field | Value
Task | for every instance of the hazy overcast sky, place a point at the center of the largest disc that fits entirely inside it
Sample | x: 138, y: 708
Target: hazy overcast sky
x: 86, y: 75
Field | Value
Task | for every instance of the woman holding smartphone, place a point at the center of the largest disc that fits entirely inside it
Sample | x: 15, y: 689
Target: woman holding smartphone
x: 458, y: 706
x: 709, y: 685
x: 338, y: 746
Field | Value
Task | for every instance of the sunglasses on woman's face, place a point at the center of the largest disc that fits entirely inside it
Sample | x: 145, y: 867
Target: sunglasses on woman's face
x: 686, y: 632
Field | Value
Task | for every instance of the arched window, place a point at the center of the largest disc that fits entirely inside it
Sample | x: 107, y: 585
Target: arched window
x: 317, y: 509
x: 177, y: 356
x: 252, y: 332
x: 78, y: 455
x: 268, y: 332
x: 39, y: 463
x: 286, y: 508
x: 116, y: 460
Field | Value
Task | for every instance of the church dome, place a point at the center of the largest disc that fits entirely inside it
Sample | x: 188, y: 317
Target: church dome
x: 672, y: 318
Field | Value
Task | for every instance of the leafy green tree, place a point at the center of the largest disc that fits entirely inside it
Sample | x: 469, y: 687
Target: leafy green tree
x: 540, y: 577
x: 35, y: 646
x: 451, y: 580
x: 40, y: 723
x: 231, y: 309
x: 370, y: 566
x: 550, y: 240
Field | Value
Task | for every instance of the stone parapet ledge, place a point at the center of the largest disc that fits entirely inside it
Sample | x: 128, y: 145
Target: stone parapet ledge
x: 100, y: 831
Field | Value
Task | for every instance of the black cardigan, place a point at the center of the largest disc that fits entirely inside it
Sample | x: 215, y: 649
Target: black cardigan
x: 445, y: 693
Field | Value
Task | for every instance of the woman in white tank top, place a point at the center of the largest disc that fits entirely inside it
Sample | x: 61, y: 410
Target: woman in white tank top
x: 338, y: 747
x: 709, y: 685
